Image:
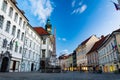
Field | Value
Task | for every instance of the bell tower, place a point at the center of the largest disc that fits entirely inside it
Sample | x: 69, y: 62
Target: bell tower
x: 48, y: 26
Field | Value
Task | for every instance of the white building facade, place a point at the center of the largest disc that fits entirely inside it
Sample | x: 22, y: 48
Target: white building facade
x: 109, y: 55
x: 21, y: 47
x: 12, y: 32
x: 31, y: 50
x: 46, y: 59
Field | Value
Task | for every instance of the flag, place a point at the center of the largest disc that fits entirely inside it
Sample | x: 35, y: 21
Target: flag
x: 112, y: 45
x: 117, y: 6
x: 16, y: 43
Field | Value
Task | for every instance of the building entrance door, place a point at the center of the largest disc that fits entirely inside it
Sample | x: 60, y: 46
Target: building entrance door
x: 4, y: 65
x: 32, y: 66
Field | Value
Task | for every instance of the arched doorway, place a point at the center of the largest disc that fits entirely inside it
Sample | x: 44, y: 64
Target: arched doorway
x: 32, y: 66
x: 4, y: 65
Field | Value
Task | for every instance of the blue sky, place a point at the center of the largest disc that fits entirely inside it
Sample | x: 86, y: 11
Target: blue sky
x: 75, y: 20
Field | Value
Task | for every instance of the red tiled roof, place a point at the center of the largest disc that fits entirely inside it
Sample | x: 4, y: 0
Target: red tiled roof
x: 40, y: 31
x: 63, y: 57
x: 97, y: 44
x: 84, y: 42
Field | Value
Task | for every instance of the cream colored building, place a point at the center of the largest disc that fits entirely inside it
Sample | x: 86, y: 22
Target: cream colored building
x: 82, y: 50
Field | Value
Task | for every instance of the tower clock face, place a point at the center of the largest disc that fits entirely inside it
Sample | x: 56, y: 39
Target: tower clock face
x: 48, y: 29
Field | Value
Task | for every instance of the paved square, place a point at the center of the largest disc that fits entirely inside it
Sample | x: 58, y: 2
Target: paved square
x: 58, y: 76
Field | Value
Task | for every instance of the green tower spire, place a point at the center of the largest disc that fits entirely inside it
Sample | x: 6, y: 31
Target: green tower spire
x: 48, y: 26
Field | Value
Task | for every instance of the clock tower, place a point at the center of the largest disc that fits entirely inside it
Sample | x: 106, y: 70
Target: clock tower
x: 48, y: 27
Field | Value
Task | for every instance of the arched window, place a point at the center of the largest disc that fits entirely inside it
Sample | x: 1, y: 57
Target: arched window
x: 13, y: 30
x: 18, y: 34
x: 4, y: 5
x: 8, y: 26
x: 10, y: 12
x: 1, y: 21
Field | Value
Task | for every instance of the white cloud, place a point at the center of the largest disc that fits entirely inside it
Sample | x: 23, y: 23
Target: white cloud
x: 65, y: 51
x: 62, y: 39
x: 83, y: 8
x: 80, y: 9
x: 73, y: 3
x: 42, y: 9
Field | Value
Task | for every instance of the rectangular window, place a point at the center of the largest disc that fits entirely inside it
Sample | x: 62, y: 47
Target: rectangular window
x: 20, y: 50
x: 8, y: 26
x: 22, y: 36
x: 44, y: 41
x: 4, y: 6
x: 30, y: 43
x: 43, y: 53
x: 18, y: 34
x: 1, y: 21
x: 13, y: 30
x: 11, y: 45
x: 20, y: 21
x: 4, y: 43
x: 16, y: 17
x: 16, y: 46
x: 23, y: 24
x: 10, y: 12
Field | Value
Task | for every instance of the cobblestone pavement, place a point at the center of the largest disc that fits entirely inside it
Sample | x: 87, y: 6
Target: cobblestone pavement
x: 58, y: 76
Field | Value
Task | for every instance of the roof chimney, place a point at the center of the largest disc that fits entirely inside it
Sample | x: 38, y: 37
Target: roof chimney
x: 102, y: 36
